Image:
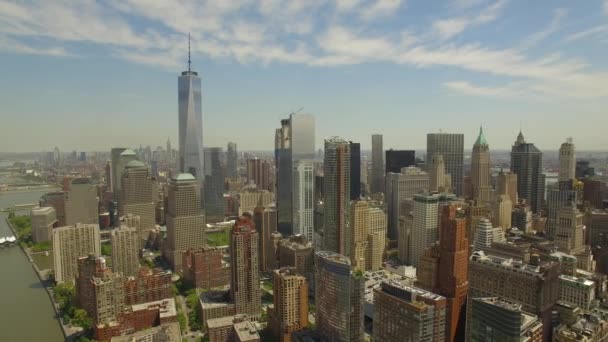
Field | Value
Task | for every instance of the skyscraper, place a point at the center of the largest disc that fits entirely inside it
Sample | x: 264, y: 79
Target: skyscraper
x: 570, y: 232
x: 265, y: 220
x: 398, y: 159
x: 290, y: 310
x: 451, y: 147
x: 527, y: 164
x: 355, y: 171
x: 400, y: 187
x: 42, y: 222
x: 336, y: 184
x: 424, y: 225
x: 480, y: 170
x: 258, y: 171
x: 557, y: 198
x: 245, y: 280
x: 495, y: 319
x: 365, y: 246
x: 294, y: 141
x: 214, y: 185
x: 231, y: 160
x: 407, y: 313
x: 567, y: 161
x: 190, y: 117
x: 302, y: 200
x: 185, y: 218
x: 81, y: 202
x: 138, y: 197
x: 125, y: 250
x: 439, y: 181
x: 71, y: 243
x: 339, y: 298
x: 377, y: 182
x: 506, y: 184
x: 502, y: 211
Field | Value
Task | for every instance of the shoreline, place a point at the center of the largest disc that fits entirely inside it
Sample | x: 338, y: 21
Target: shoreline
x: 44, y: 282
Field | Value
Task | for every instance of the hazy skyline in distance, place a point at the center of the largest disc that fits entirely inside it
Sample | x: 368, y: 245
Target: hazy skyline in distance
x: 87, y: 76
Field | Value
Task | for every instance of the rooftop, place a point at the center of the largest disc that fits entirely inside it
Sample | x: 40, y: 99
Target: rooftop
x: 576, y: 281
x: 42, y: 210
x: 166, y: 306
x: 134, y: 164
x: 246, y: 331
x: 128, y: 152
x: 184, y: 177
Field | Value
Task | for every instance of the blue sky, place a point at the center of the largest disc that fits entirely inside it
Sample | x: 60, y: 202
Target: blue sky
x: 89, y: 75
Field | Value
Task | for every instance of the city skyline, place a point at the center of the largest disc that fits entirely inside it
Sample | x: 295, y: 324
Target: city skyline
x: 110, y: 68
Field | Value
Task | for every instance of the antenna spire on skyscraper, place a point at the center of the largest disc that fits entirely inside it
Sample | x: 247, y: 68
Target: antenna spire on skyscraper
x: 189, y: 61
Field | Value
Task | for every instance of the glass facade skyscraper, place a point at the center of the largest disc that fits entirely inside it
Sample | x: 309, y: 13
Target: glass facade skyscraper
x: 190, y: 124
x: 451, y: 147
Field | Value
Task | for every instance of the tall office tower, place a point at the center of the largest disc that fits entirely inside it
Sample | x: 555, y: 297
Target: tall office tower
x: 214, y: 185
x: 597, y: 223
x: 438, y: 179
x: 258, y: 171
x: 495, y: 319
x: 364, y: 176
x: 367, y: 237
x: 521, y: 218
x: 567, y: 161
x: 452, y: 272
x: 298, y: 252
x: 231, y: 161
x: 303, y: 202
x: 502, y: 212
x: 407, y: 313
x: 570, y: 232
x: 398, y: 159
x: 506, y: 184
x: 486, y: 235
x: 185, y: 218
x: 339, y: 295
x: 336, y: 184
x: 99, y: 291
x: 535, y: 286
x: 480, y: 170
x: 451, y: 147
x: 42, y: 220
x: 245, y: 280
x: 290, y: 310
x: 355, y: 171
x: 81, y: 202
x: 120, y: 158
x: 557, y: 198
x: 71, y: 243
x: 424, y: 226
x: 527, y: 164
x: 593, y: 190
x: 377, y: 179
x: 294, y: 141
x: 56, y: 200
x: 138, y: 196
x: 125, y: 250
x: 404, y: 243
x: 190, y: 118
x: 265, y: 219
x: 401, y: 187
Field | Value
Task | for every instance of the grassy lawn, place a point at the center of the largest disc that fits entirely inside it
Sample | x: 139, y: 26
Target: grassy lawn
x: 218, y: 238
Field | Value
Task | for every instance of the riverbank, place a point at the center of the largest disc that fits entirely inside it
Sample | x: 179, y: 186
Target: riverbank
x: 28, y: 188
x: 69, y: 332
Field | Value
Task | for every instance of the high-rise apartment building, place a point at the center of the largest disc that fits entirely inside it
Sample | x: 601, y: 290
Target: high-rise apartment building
x: 71, y: 243
x: 303, y: 204
x: 367, y: 236
x: 506, y: 184
x: 290, y: 303
x: 245, y: 279
x: 567, y: 161
x: 214, y: 184
x: 125, y: 250
x: 231, y: 160
x: 355, y: 171
x: 398, y: 159
x: 339, y: 298
x: 297, y: 252
x: 480, y: 170
x: 42, y: 221
x: 258, y: 171
x: 265, y: 219
x: 294, y: 141
x: 185, y: 218
x: 336, y: 185
x: 527, y: 164
x: 401, y: 187
x: 377, y: 176
x: 407, y: 313
x: 451, y: 147
x: 190, y: 119
x: 138, y: 197
x: 495, y: 319
x: 205, y: 269
x: 535, y: 286
x: 81, y: 202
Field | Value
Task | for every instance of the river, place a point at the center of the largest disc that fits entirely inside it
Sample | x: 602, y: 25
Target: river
x: 26, y: 313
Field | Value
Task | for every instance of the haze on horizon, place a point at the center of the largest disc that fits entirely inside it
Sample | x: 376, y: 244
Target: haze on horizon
x: 91, y: 75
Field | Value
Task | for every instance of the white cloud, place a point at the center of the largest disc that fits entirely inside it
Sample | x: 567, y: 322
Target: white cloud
x: 466, y: 3
x: 21, y: 48
x: 555, y: 24
x: 448, y: 28
x: 380, y: 8
x: 586, y: 33
x: 467, y: 88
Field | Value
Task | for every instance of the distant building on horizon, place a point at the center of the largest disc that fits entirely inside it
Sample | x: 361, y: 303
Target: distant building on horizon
x: 480, y: 170
x: 567, y: 161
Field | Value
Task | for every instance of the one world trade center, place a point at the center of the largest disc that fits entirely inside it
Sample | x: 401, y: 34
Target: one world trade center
x: 190, y: 122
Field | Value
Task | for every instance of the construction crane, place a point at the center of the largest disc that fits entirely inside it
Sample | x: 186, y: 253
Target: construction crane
x: 297, y: 111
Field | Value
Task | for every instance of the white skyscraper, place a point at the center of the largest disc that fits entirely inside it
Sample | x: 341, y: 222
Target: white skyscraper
x: 190, y: 122
x: 303, y: 201
x: 567, y: 161
x: 424, y: 227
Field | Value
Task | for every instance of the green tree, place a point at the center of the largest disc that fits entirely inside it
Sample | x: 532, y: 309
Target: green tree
x: 82, y: 319
x: 106, y: 249
x: 182, y: 321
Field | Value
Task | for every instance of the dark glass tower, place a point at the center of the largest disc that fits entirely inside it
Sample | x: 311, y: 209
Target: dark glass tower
x: 355, y: 170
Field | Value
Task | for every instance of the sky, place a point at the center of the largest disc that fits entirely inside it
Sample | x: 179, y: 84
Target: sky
x: 89, y: 75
